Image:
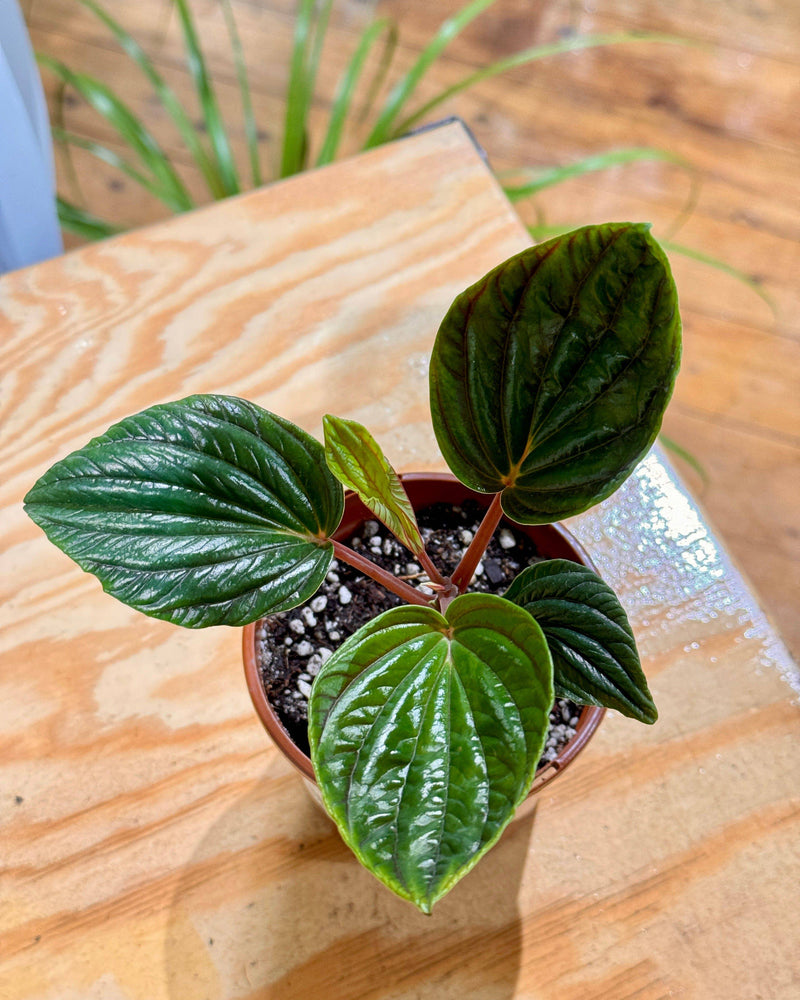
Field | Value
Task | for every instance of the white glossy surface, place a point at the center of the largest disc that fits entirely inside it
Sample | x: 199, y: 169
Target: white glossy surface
x: 652, y: 544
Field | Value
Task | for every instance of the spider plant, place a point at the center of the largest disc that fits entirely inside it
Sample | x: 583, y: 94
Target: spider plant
x: 209, y: 145
x: 354, y: 111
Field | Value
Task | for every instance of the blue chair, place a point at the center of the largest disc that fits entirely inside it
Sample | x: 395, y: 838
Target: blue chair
x: 29, y: 230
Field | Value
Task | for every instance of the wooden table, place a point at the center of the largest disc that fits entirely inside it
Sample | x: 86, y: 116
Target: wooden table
x: 153, y: 844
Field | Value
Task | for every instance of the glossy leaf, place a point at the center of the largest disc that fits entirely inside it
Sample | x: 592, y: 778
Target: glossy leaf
x: 595, y: 660
x: 205, y: 511
x: 355, y: 458
x: 425, y: 733
x: 550, y: 376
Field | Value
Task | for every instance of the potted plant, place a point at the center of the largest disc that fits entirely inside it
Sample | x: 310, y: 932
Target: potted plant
x: 548, y: 378
x: 283, y: 652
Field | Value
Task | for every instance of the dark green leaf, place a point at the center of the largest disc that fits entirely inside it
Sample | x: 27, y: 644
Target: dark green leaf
x: 595, y: 660
x: 550, y: 376
x: 355, y: 458
x: 425, y: 733
x: 206, y: 511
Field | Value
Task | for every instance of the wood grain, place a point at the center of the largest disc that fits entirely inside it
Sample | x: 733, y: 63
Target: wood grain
x: 154, y: 847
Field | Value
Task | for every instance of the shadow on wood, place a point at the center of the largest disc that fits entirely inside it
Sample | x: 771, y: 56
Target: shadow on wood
x: 302, y: 919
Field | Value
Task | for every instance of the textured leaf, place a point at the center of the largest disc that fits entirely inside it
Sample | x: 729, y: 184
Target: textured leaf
x: 549, y: 377
x: 595, y: 660
x: 425, y: 733
x: 205, y: 511
x: 355, y: 458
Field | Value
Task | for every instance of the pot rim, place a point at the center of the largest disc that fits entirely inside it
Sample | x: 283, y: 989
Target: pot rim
x: 590, y: 716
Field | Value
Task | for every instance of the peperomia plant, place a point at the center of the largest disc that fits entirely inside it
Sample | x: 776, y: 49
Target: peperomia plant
x: 548, y: 382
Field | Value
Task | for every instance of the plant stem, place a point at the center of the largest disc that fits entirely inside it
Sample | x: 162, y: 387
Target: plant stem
x: 433, y: 573
x: 404, y: 590
x: 466, y: 568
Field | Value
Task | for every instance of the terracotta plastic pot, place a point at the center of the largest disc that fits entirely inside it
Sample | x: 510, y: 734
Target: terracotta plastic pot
x: 425, y: 488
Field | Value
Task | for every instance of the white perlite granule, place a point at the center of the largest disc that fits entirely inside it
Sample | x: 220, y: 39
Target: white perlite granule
x: 506, y: 539
x: 322, y: 655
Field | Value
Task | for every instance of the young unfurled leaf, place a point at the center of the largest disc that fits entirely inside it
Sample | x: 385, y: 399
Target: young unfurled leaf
x: 355, y: 458
x: 549, y: 377
x: 425, y: 733
x: 205, y: 511
x: 595, y: 660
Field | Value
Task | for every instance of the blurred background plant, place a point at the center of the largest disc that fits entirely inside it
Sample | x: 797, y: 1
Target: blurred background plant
x: 372, y: 104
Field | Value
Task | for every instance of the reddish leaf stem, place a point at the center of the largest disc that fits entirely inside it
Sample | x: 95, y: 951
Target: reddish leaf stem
x: 433, y: 573
x: 469, y: 561
x: 369, y: 568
